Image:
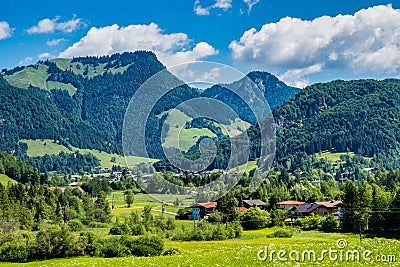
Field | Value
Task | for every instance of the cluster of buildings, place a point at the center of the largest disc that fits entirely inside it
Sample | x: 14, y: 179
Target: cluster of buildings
x: 299, y: 209
x: 296, y: 209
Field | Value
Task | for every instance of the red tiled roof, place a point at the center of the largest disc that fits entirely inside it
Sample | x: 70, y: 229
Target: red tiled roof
x: 290, y: 202
x: 241, y: 209
x: 206, y: 205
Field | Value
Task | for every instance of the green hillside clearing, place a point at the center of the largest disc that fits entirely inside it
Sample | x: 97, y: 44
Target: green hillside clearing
x: 46, y: 146
x: 4, y: 180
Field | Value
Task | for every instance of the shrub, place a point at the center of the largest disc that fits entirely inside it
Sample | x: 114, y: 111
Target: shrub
x: 113, y: 247
x: 14, y: 252
x: 149, y: 245
x: 255, y: 218
x: 93, y: 247
x: 278, y: 217
x: 281, y: 233
x: 98, y: 225
x: 329, y: 223
x: 120, y: 228
x: 216, y: 217
x: 171, y: 251
x: 164, y: 223
x: 123, y: 246
x: 206, y: 232
x: 236, y: 229
x: 312, y: 222
x: 53, y: 241
x: 75, y: 225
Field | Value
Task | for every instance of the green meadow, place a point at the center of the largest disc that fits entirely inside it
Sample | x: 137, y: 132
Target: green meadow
x: 40, y: 147
x: 5, y: 180
x: 249, y: 250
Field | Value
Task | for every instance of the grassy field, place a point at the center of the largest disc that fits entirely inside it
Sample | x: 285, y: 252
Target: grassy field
x: 29, y: 76
x: 37, y: 75
x: 332, y: 156
x: 253, y: 248
x: 78, y: 68
x: 335, y: 156
x: 247, y: 251
x: 40, y: 147
x: 155, y: 200
x: 177, y: 135
x: 4, y: 180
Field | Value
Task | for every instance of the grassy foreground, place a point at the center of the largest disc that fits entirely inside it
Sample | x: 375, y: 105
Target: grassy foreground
x: 243, y: 252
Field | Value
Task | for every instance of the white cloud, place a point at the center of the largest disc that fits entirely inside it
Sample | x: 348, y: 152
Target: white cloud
x: 51, y: 25
x: 171, y: 49
x: 5, y: 30
x: 368, y: 41
x: 25, y: 61
x: 250, y: 4
x: 45, y: 55
x: 55, y: 42
x: 295, y: 77
x: 219, y: 4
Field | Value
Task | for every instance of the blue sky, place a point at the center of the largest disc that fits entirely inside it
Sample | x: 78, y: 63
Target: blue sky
x: 301, y: 42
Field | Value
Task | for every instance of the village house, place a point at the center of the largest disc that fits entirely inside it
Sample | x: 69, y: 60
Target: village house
x: 200, y: 210
x: 318, y: 208
x: 248, y: 203
x: 288, y: 204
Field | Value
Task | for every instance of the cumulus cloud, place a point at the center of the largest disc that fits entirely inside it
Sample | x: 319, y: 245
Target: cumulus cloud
x: 26, y: 61
x: 219, y: 4
x: 296, y: 78
x: 51, y: 25
x: 55, y: 42
x: 368, y: 41
x: 170, y: 48
x: 250, y: 4
x: 5, y: 30
x: 45, y: 55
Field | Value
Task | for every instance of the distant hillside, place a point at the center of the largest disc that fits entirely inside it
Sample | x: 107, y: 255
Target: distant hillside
x: 360, y: 116
x: 31, y: 114
x: 81, y: 102
x: 275, y: 92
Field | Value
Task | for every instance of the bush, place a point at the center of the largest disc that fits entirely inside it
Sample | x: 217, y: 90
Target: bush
x: 149, y: 245
x: 14, y: 252
x: 164, y: 223
x: 206, y: 232
x: 93, y: 247
x: 128, y: 246
x: 53, y: 241
x: 75, y: 225
x: 98, y: 225
x: 120, y: 228
x: 255, y: 218
x: 329, y: 223
x: 113, y: 247
x: 171, y: 251
x: 216, y: 217
x: 281, y: 233
x: 313, y: 222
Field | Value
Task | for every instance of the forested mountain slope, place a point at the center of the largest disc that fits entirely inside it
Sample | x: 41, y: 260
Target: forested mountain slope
x: 82, y: 101
x: 362, y: 116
